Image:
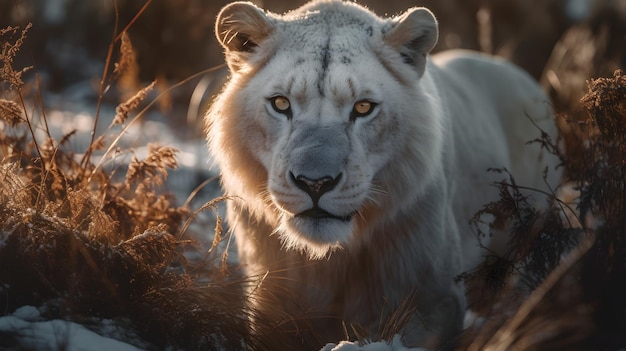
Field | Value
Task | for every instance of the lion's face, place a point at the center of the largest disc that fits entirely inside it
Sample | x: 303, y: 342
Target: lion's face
x: 323, y: 116
x: 324, y: 142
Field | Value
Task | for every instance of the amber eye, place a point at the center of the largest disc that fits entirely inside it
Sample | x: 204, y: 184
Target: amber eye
x: 281, y: 104
x: 362, y: 108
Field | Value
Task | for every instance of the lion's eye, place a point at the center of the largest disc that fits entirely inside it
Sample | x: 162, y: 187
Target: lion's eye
x: 361, y: 109
x: 281, y: 104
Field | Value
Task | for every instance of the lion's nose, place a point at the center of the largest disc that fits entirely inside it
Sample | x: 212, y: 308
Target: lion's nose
x: 315, y: 187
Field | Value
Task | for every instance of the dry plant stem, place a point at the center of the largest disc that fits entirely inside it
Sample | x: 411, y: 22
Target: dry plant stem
x: 132, y: 21
x: 41, y: 105
x: 211, y: 205
x: 86, y: 158
x: 226, y: 250
x: 142, y: 112
x: 123, y: 109
x: 195, y: 191
x: 30, y: 126
x: 17, y: 83
x: 105, y: 74
x: 562, y: 204
x: 502, y: 339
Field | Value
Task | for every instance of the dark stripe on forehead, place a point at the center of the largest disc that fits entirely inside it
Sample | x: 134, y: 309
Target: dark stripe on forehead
x: 326, y: 55
x: 325, y: 62
x: 290, y: 85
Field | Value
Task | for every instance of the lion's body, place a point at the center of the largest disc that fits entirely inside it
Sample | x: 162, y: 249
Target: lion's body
x: 400, y: 181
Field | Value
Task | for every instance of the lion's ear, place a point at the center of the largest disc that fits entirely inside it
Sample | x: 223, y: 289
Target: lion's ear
x: 414, y: 34
x: 239, y: 28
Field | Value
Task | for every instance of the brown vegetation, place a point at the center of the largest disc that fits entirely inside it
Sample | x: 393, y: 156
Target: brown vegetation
x: 75, y: 238
x: 569, y: 260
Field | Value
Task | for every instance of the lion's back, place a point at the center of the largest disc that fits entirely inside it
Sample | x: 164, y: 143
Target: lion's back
x: 496, y: 110
x: 517, y: 105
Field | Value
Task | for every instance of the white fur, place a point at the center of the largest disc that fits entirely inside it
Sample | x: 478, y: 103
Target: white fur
x: 413, y: 172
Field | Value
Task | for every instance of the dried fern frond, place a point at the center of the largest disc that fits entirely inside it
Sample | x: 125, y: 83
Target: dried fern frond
x: 606, y: 103
x: 126, y: 70
x: 606, y: 93
x: 7, y: 54
x: 12, y: 188
x: 8, y: 30
x: 99, y: 143
x: 154, y: 167
x: 127, y: 55
x: 48, y: 149
x: 123, y: 109
x: 10, y: 112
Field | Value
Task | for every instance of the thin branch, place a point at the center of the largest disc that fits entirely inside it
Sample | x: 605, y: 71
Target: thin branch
x: 103, y: 81
x: 502, y: 338
x: 84, y: 162
x: 132, y: 21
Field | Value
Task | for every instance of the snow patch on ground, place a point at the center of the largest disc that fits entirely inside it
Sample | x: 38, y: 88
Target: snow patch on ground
x: 395, y: 345
x: 32, y: 332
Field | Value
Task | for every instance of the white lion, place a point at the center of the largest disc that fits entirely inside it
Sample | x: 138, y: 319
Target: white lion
x: 356, y: 160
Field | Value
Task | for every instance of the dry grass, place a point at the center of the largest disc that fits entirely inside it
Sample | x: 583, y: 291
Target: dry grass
x: 96, y: 247
x: 568, y: 261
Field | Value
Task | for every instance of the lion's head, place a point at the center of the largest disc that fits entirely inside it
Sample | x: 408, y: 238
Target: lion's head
x: 325, y: 119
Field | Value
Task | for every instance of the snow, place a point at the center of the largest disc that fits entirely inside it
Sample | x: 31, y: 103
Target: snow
x: 32, y: 332
x: 578, y: 10
x: 395, y: 345
x: 53, y: 11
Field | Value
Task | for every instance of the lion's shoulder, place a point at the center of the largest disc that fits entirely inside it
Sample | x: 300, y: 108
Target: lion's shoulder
x: 492, y: 74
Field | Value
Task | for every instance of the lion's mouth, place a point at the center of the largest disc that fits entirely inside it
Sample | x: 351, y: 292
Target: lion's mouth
x: 318, y: 213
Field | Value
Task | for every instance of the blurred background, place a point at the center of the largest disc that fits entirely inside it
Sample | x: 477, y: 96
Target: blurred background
x: 560, y: 42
